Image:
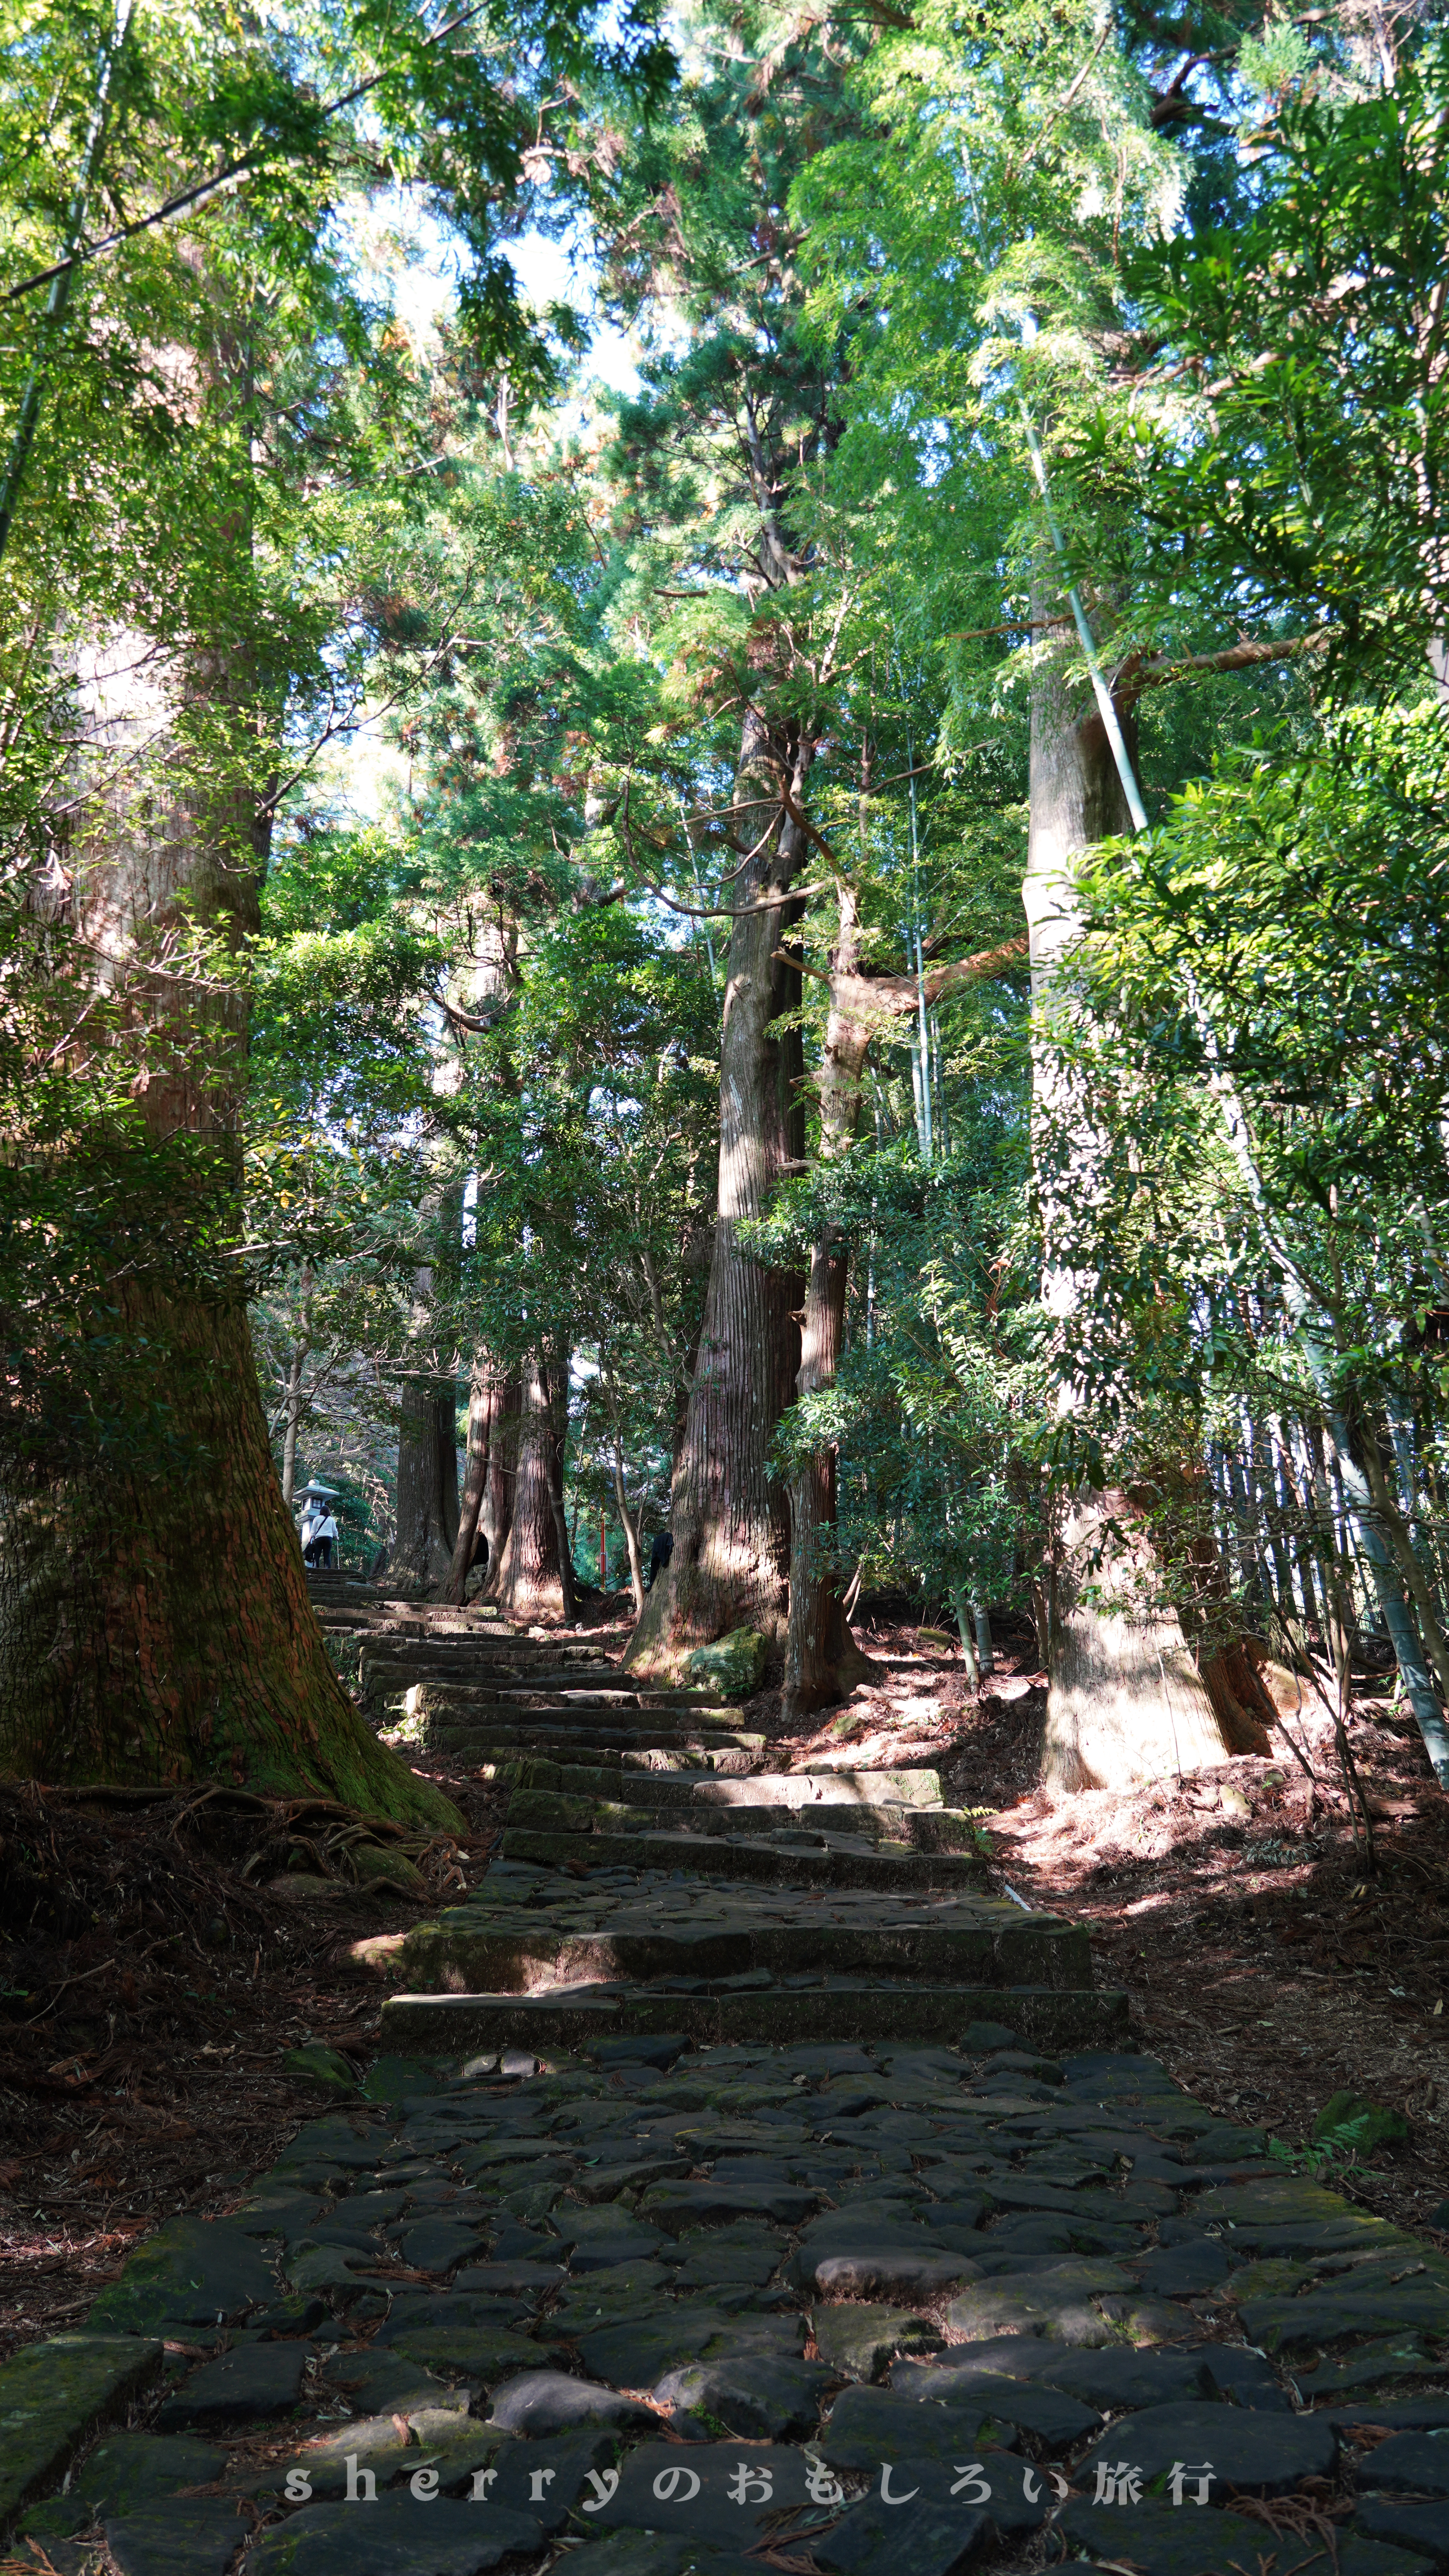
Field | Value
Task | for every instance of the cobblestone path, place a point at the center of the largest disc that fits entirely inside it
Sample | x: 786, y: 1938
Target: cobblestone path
x: 741, y: 2184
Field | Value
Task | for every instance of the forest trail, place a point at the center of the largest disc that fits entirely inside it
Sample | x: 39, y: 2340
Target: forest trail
x: 742, y: 2181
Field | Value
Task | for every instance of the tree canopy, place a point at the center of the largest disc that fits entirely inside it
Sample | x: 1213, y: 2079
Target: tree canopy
x: 516, y: 880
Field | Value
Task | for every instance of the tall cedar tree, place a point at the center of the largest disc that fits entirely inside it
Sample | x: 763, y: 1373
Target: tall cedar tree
x: 741, y: 423
x: 154, y: 1619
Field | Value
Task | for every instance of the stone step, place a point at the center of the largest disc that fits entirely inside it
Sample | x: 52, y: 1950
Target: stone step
x: 504, y: 1669
x: 563, y: 1739
x: 805, y: 1862
x: 601, y: 1725
x: 576, y: 1666
x: 953, y: 1945
x: 575, y: 1764
x: 913, y: 1828
x: 451, y: 2026
x: 512, y: 1686
x: 812, y: 1792
x: 721, y: 1779
x: 524, y: 1699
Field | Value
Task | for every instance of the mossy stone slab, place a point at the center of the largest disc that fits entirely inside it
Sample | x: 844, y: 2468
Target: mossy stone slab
x: 52, y: 2397
x: 1059, y: 2301
x: 871, y: 2426
x: 395, y: 2535
x: 761, y: 2400
x: 124, y: 2475
x: 487, y: 2358
x: 1414, y: 2464
x: 193, y: 2271
x: 1388, y: 2523
x: 381, y: 2382
x: 634, y: 2353
x: 336, y: 2146
x: 1258, y: 2454
x: 190, y: 2536
x: 860, y: 2340
x: 1373, y: 2365
x: 392, y: 2079
x: 252, y: 2384
x: 734, y: 1665
x: 1191, y: 2540
x: 928, y: 2536
x: 1330, y: 2316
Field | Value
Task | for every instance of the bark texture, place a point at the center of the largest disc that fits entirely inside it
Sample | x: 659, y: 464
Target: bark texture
x: 497, y: 1512
x: 427, y: 1485
x: 486, y: 1401
x: 1125, y: 1700
x: 155, y: 1623
x: 532, y: 1580
x: 729, y: 1514
x: 157, y: 1629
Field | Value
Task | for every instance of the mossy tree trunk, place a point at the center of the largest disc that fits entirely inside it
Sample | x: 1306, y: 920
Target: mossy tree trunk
x: 155, y: 1625
x: 156, y: 1628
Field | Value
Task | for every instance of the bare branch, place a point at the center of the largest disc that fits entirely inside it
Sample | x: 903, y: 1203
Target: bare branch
x: 1135, y: 676
x: 737, y: 911
x: 894, y: 996
x: 243, y: 167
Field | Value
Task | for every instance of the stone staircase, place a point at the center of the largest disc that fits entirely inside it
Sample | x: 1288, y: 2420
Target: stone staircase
x: 654, y: 1876
x: 704, y: 2263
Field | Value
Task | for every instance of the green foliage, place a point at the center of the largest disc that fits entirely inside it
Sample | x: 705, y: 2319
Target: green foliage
x: 1352, y: 2125
x: 1348, y: 2127
x: 598, y: 637
x: 1270, y: 966
x: 224, y: 494
x: 1297, y: 465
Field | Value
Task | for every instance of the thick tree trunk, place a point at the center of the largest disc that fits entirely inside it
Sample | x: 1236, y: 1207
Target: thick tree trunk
x: 1126, y: 1701
x: 156, y: 1628
x: 486, y: 1401
x: 728, y: 1513
x: 498, y: 1493
x: 427, y: 1485
x: 530, y: 1582
x: 155, y: 1624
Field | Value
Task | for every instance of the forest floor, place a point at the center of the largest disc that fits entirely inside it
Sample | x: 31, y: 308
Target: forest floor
x: 152, y: 1975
